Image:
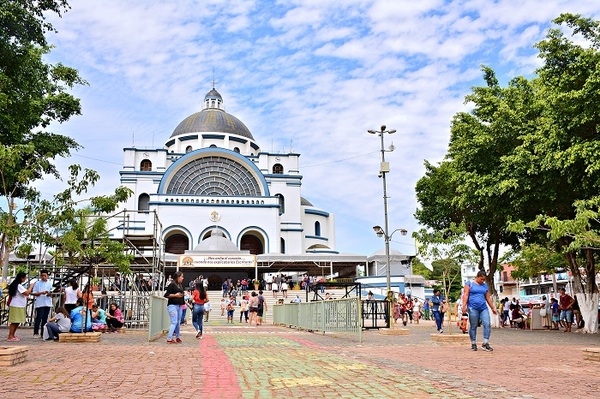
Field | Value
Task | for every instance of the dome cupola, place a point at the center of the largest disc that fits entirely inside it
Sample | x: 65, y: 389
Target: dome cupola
x: 212, y: 118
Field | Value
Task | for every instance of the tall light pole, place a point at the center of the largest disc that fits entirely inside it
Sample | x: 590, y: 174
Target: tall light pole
x: 383, y: 171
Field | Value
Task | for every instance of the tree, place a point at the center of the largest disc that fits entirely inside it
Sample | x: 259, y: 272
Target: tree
x: 533, y: 259
x: 32, y: 92
x: 564, y: 148
x: 420, y: 269
x: 473, y: 186
x: 46, y: 222
x: 582, y: 234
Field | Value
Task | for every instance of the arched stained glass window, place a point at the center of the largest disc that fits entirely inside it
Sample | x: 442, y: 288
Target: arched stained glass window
x: 214, y: 175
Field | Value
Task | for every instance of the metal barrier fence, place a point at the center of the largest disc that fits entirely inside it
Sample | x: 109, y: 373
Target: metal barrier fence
x: 159, y: 317
x: 340, y: 315
x: 375, y: 314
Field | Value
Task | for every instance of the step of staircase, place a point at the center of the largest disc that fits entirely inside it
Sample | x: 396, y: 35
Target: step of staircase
x: 215, y: 299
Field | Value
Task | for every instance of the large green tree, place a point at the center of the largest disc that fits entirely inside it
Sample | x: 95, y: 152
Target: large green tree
x: 528, y: 153
x: 33, y: 95
x: 474, y: 186
x: 565, y: 149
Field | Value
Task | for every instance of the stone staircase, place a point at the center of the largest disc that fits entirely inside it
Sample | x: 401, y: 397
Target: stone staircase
x: 215, y: 299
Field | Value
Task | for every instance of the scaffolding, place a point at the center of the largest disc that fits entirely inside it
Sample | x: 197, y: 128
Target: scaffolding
x: 141, y: 233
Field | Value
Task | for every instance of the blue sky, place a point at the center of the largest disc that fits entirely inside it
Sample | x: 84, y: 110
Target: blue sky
x: 309, y: 76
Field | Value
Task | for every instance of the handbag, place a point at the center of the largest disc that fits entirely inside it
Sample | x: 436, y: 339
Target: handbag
x: 543, y: 312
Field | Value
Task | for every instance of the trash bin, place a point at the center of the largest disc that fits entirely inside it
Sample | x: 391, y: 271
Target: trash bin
x: 536, y: 319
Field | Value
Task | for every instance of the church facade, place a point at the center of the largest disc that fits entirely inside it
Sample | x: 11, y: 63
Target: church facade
x: 212, y: 174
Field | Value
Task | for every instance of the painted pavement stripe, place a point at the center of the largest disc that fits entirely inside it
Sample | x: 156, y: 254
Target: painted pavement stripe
x: 219, y: 378
x: 271, y: 366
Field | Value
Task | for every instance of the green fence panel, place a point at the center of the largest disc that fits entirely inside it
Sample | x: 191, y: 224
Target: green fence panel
x: 159, y: 317
x: 340, y: 316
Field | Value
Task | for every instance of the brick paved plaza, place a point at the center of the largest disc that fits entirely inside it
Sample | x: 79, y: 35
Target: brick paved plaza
x: 275, y: 362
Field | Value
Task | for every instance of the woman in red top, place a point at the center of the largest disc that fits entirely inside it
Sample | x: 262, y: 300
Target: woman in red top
x: 199, y: 297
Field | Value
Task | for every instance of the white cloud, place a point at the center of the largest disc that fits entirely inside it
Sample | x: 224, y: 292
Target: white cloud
x: 312, y: 75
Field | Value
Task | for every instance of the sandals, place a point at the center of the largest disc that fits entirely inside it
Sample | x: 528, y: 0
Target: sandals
x: 13, y: 339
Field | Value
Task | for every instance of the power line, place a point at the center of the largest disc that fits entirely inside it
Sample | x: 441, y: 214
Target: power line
x: 340, y: 160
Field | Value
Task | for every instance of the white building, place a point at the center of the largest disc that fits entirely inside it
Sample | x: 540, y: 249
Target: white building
x: 211, y: 173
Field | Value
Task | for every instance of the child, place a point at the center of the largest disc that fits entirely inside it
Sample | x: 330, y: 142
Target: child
x: 417, y: 310
x: 98, y: 318
x: 230, y: 310
x: 223, y: 305
x: 396, y: 311
x: 555, y: 314
x: 206, y: 310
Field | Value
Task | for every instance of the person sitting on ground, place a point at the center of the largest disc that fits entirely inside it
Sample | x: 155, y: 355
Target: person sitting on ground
x: 114, y: 318
x: 81, y: 316
x: 98, y: 318
x: 518, y: 316
x: 297, y: 299
x: 60, y: 323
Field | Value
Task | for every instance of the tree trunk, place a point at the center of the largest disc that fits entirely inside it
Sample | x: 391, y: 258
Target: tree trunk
x: 588, y: 306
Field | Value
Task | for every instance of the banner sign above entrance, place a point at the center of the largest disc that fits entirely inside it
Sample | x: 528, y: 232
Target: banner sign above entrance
x: 223, y: 261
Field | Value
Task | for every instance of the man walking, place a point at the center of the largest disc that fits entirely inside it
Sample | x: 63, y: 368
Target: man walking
x: 565, y: 304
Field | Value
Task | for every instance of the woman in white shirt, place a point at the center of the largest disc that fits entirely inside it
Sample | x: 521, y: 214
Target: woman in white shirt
x: 18, y: 302
x: 72, y: 292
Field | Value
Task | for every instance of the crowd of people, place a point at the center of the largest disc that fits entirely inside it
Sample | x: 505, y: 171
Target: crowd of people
x: 236, y: 297
x: 555, y: 313
x: 78, y: 313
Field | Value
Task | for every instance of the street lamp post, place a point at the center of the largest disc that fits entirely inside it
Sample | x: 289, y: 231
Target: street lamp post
x: 383, y: 170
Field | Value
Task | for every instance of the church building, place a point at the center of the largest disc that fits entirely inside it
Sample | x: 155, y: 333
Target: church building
x: 212, y: 174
